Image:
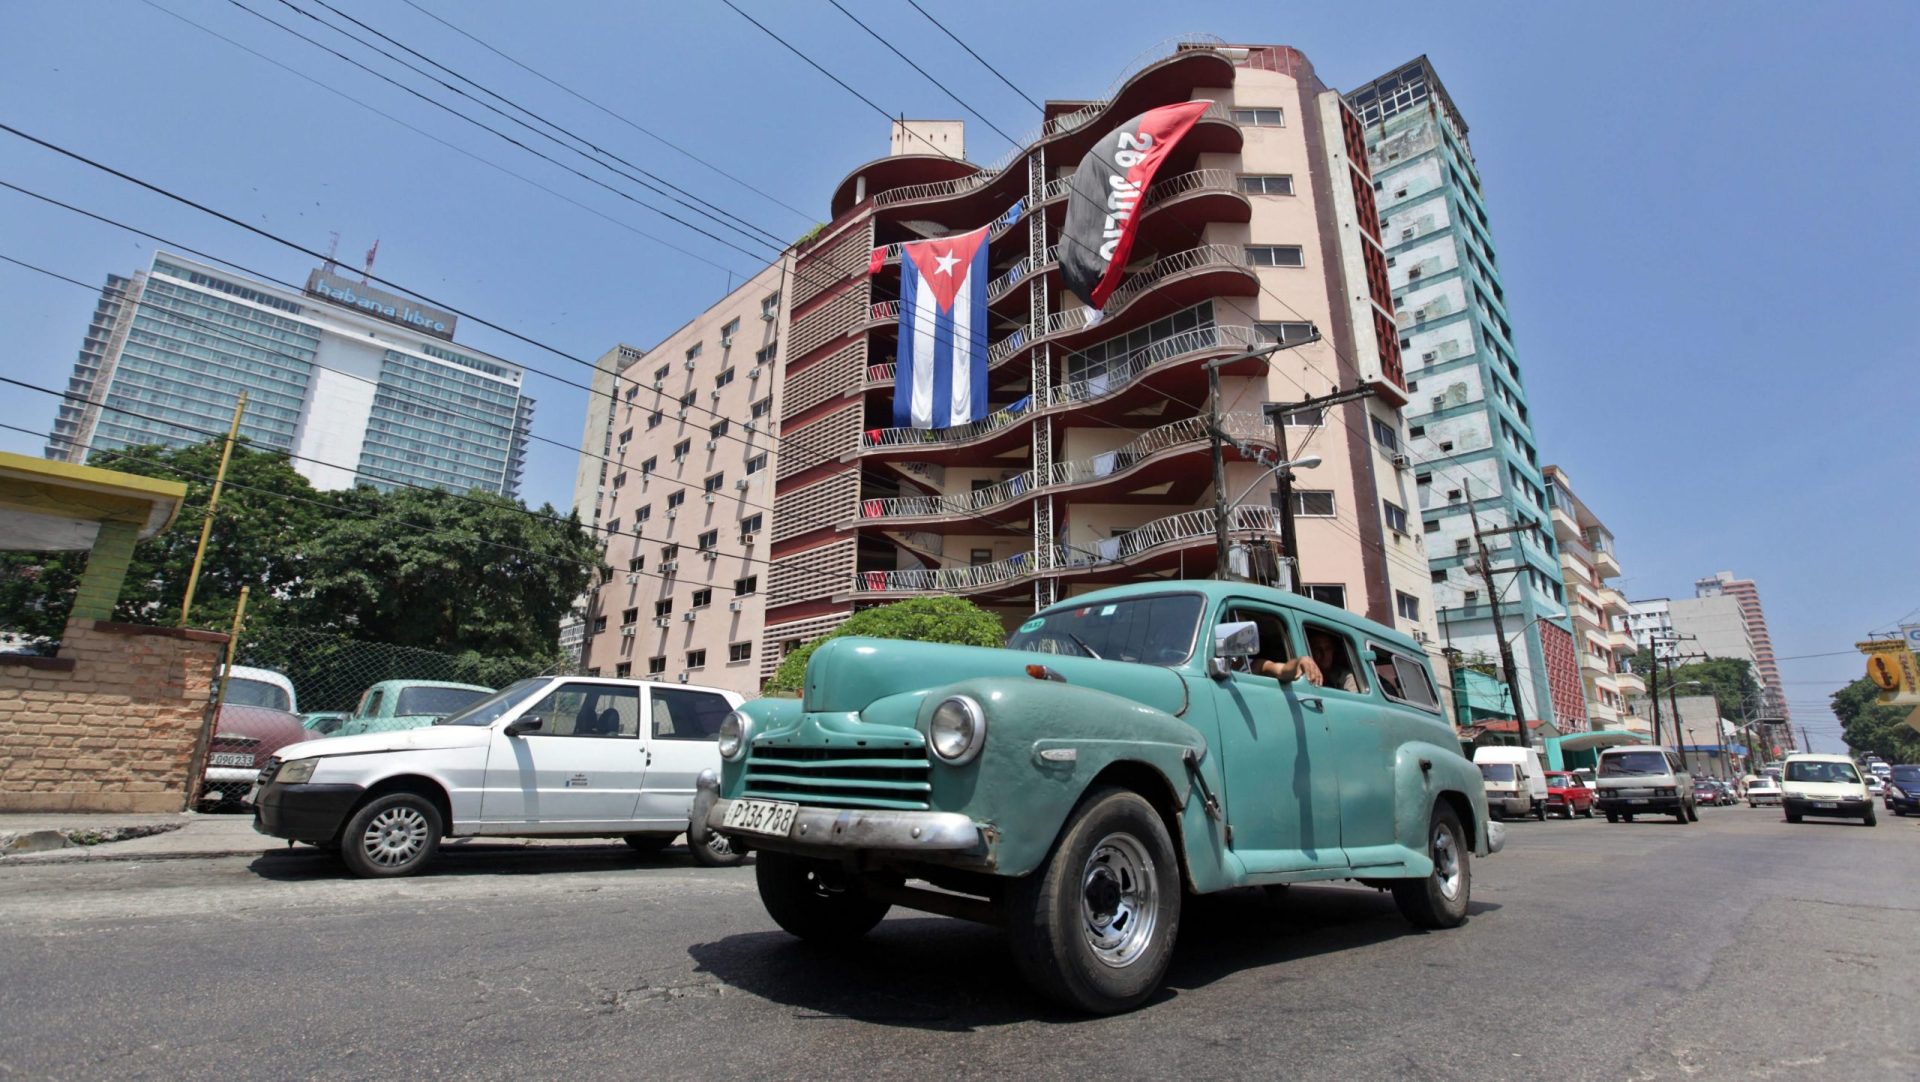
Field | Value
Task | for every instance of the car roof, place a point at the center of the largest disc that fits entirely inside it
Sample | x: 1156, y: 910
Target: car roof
x: 1217, y: 590
x: 1818, y: 757
x: 427, y: 684
x: 660, y: 684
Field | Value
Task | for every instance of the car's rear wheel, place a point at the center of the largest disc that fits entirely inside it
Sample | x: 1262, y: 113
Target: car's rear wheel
x: 1613, y: 817
x: 391, y: 836
x: 1540, y: 810
x: 1793, y: 817
x: 1439, y: 900
x: 1693, y: 813
x: 1589, y: 812
x: 1567, y: 809
x: 718, y: 851
x: 1094, y: 926
x: 814, y: 899
x: 1869, y: 819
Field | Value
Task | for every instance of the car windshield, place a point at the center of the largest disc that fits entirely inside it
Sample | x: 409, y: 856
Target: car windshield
x: 1903, y: 776
x: 489, y: 710
x: 1822, y: 772
x: 1496, y: 771
x: 244, y: 692
x: 1149, y: 630
x: 1630, y: 763
x: 436, y: 700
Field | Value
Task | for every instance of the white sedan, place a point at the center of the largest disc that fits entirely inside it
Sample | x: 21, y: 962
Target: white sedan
x: 1763, y: 790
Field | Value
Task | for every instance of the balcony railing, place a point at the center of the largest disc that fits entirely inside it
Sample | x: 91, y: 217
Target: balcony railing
x: 920, y: 437
x: 884, y: 312
x: 1187, y: 526
x: 1244, y: 426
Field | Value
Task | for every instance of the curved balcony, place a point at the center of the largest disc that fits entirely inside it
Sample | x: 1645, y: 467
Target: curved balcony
x: 1151, y: 546
x: 1151, y: 459
x: 1168, y: 366
x: 1168, y: 79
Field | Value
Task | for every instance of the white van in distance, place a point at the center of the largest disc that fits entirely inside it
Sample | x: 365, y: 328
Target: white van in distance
x: 1515, y: 779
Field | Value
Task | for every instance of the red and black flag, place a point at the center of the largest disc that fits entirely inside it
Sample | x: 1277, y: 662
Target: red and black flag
x: 1104, y: 197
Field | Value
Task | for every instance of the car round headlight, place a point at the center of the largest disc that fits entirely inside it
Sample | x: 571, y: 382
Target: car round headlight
x: 957, y: 730
x: 735, y: 729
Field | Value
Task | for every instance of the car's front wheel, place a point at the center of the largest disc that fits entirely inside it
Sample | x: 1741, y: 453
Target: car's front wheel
x: 390, y: 836
x: 1094, y: 926
x: 718, y: 852
x: 1440, y: 899
x: 813, y: 899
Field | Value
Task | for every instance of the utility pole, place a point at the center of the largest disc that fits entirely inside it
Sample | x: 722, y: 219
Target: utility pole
x: 1217, y: 436
x: 1493, y: 601
x: 213, y: 504
x: 1277, y: 414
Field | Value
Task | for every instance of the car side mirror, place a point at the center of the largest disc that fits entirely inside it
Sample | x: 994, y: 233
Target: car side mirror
x: 1233, y: 640
x: 527, y: 724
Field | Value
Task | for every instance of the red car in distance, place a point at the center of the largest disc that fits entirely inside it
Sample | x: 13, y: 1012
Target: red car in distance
x: 1568, y: 794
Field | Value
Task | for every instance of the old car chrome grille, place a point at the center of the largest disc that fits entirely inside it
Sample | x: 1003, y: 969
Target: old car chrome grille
x: 840, y: 777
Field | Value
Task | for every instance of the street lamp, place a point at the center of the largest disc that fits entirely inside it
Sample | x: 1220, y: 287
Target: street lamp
x: 1307, y: 463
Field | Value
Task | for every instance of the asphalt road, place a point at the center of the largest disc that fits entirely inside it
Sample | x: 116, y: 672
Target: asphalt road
x: 1739, y: 947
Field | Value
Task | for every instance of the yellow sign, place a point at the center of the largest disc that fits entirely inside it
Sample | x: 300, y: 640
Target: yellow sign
x: 1893, y: 669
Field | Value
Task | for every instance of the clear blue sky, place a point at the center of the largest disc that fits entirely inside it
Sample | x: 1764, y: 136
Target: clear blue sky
x: 1702, y: 212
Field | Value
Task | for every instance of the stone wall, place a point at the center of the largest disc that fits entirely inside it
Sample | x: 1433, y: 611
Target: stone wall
x: 110, y: 724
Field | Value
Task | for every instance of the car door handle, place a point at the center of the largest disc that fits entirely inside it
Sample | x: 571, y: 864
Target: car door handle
x: 1313, y: 702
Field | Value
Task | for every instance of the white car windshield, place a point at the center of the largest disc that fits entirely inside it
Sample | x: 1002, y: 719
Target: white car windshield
x: 1628, y: 763
x: 1496, y: 771
x: 489, y: 710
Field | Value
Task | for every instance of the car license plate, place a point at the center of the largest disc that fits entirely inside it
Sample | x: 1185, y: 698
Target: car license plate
x: 1826, y: 803
x: 1639, y: 800
x: 232, y: 758
x: 761, y: 816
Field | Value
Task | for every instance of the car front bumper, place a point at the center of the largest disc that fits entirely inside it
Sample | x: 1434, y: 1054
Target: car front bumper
x: 304, y: 812
x: 1842, y: 809
x: 1496, y: 836
x: 944, y: 837
x: 1902, y: 803
x: 1757, y: 799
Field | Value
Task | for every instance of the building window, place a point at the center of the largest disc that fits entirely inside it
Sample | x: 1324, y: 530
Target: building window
x: 663, y: 607
x: 638, y: 563
x: 750, y: 525
x: 702, y: 598
x: 727, y: 332
x: 660, y: 373
x: 1284, y: 333
x: 718, y: 428
x: 1267, y: 185
x: 668, y: 552
x: 977, y: 557
x: 649, y: 464
x: 642, y: 515
x: 1275, y: 255
x: 614, y: 526
x: 763, y: 407
x: 739, y: 651
x: 1328, y: 594
x: 656, y: 665
x: 694, y: 351
x: 686, y: 400
x: 743, y: 587
x: 623, y: 670
x: 1385, y: 436
x: 1307, y: 418
x: 756, y: 463
x: 626, y: 438
x: 680, y: 449
x: 1407, y: 605
x: 714, y: 482
x: 725, y: 377
x: 1260, y: 118
x: 653, y: 419
x: 1313, y: 503
x: 770, y: 306
x: 675, y: 499
x: 696, y: 659
x: 766, y: 354
x: 1414, y: 432
x: 631, y: 616
x: 1396, y: 516
x: 1462, y: 546
x: 1469, y: 598
x: 1440, y: 576
x: 599, y: 624
x: 709, y: 539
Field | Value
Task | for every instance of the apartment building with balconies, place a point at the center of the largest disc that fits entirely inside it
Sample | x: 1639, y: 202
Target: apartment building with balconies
x: 676, y: 475
x: 1092, y: 465
x: 1472, y: 442
x: 1603, y: 643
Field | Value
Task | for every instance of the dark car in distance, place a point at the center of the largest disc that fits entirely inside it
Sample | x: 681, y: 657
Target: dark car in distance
x: 1902, y: 792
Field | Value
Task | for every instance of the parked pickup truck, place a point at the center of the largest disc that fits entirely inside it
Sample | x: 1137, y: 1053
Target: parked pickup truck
x: 391, y: 705
x: 1127, y: 747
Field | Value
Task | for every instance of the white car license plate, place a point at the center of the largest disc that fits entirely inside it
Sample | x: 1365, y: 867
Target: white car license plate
x: 232, y: 758
x: 1639, y: 800
x: 1826, y: 803
x: 761, y: 816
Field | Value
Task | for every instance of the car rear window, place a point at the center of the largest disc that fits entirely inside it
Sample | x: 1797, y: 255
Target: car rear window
x: 1907, y: 775
x: 1822, y: 772
x: 244, y: 692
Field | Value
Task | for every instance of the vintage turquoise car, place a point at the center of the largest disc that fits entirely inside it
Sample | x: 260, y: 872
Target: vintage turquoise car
x: 1120, y: 751
x: 393, y: 705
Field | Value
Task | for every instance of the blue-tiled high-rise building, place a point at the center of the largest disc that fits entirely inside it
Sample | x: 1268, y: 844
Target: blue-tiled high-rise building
x: 359, y: 385
x: 1467, y: 417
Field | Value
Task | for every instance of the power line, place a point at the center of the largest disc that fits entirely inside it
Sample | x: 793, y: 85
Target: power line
x: 923, y: 72
x: 971, y: 53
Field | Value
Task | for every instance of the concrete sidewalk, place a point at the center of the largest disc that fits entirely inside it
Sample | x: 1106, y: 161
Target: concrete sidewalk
x: 192, y: 836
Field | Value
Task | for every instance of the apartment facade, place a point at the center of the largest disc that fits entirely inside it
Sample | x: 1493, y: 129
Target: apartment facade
x: 1599, y: 613
x: 1467, y: 419
x: 1092, y: 465
x: 1743, y: 590
x: 676, y: 475
x: 360, y: 385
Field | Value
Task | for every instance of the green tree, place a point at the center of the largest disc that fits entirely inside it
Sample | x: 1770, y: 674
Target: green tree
x: 446, y: 572
x: 267, y: 511
x: 1869, y: 726
x: 922, y: 619
x: 1730, y: 681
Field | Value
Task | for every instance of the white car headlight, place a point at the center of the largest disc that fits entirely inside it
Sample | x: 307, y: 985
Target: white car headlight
x: 957, y: 730
x: 295, y: 772
x: 735, y: 730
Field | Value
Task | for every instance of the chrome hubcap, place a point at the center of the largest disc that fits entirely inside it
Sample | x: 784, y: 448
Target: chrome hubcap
x: 1446, y: 863
x: 1119, y: 900
x: 718, y: 845
x: 395, y: 836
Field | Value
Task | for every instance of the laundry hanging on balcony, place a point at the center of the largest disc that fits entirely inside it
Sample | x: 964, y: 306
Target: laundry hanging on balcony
x: 1103, y: 199
x: 941, y: 377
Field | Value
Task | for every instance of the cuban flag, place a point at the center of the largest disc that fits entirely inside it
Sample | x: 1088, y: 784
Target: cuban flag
x: 941, y: 378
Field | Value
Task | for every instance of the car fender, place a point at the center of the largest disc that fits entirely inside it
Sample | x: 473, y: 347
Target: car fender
x: 1046, y: 744
x: 1422, y: 774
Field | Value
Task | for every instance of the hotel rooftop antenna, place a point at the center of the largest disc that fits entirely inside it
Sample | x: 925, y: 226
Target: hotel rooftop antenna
x: 333, y: 246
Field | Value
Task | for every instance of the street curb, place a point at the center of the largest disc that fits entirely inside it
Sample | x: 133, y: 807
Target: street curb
x: 78, y: 855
